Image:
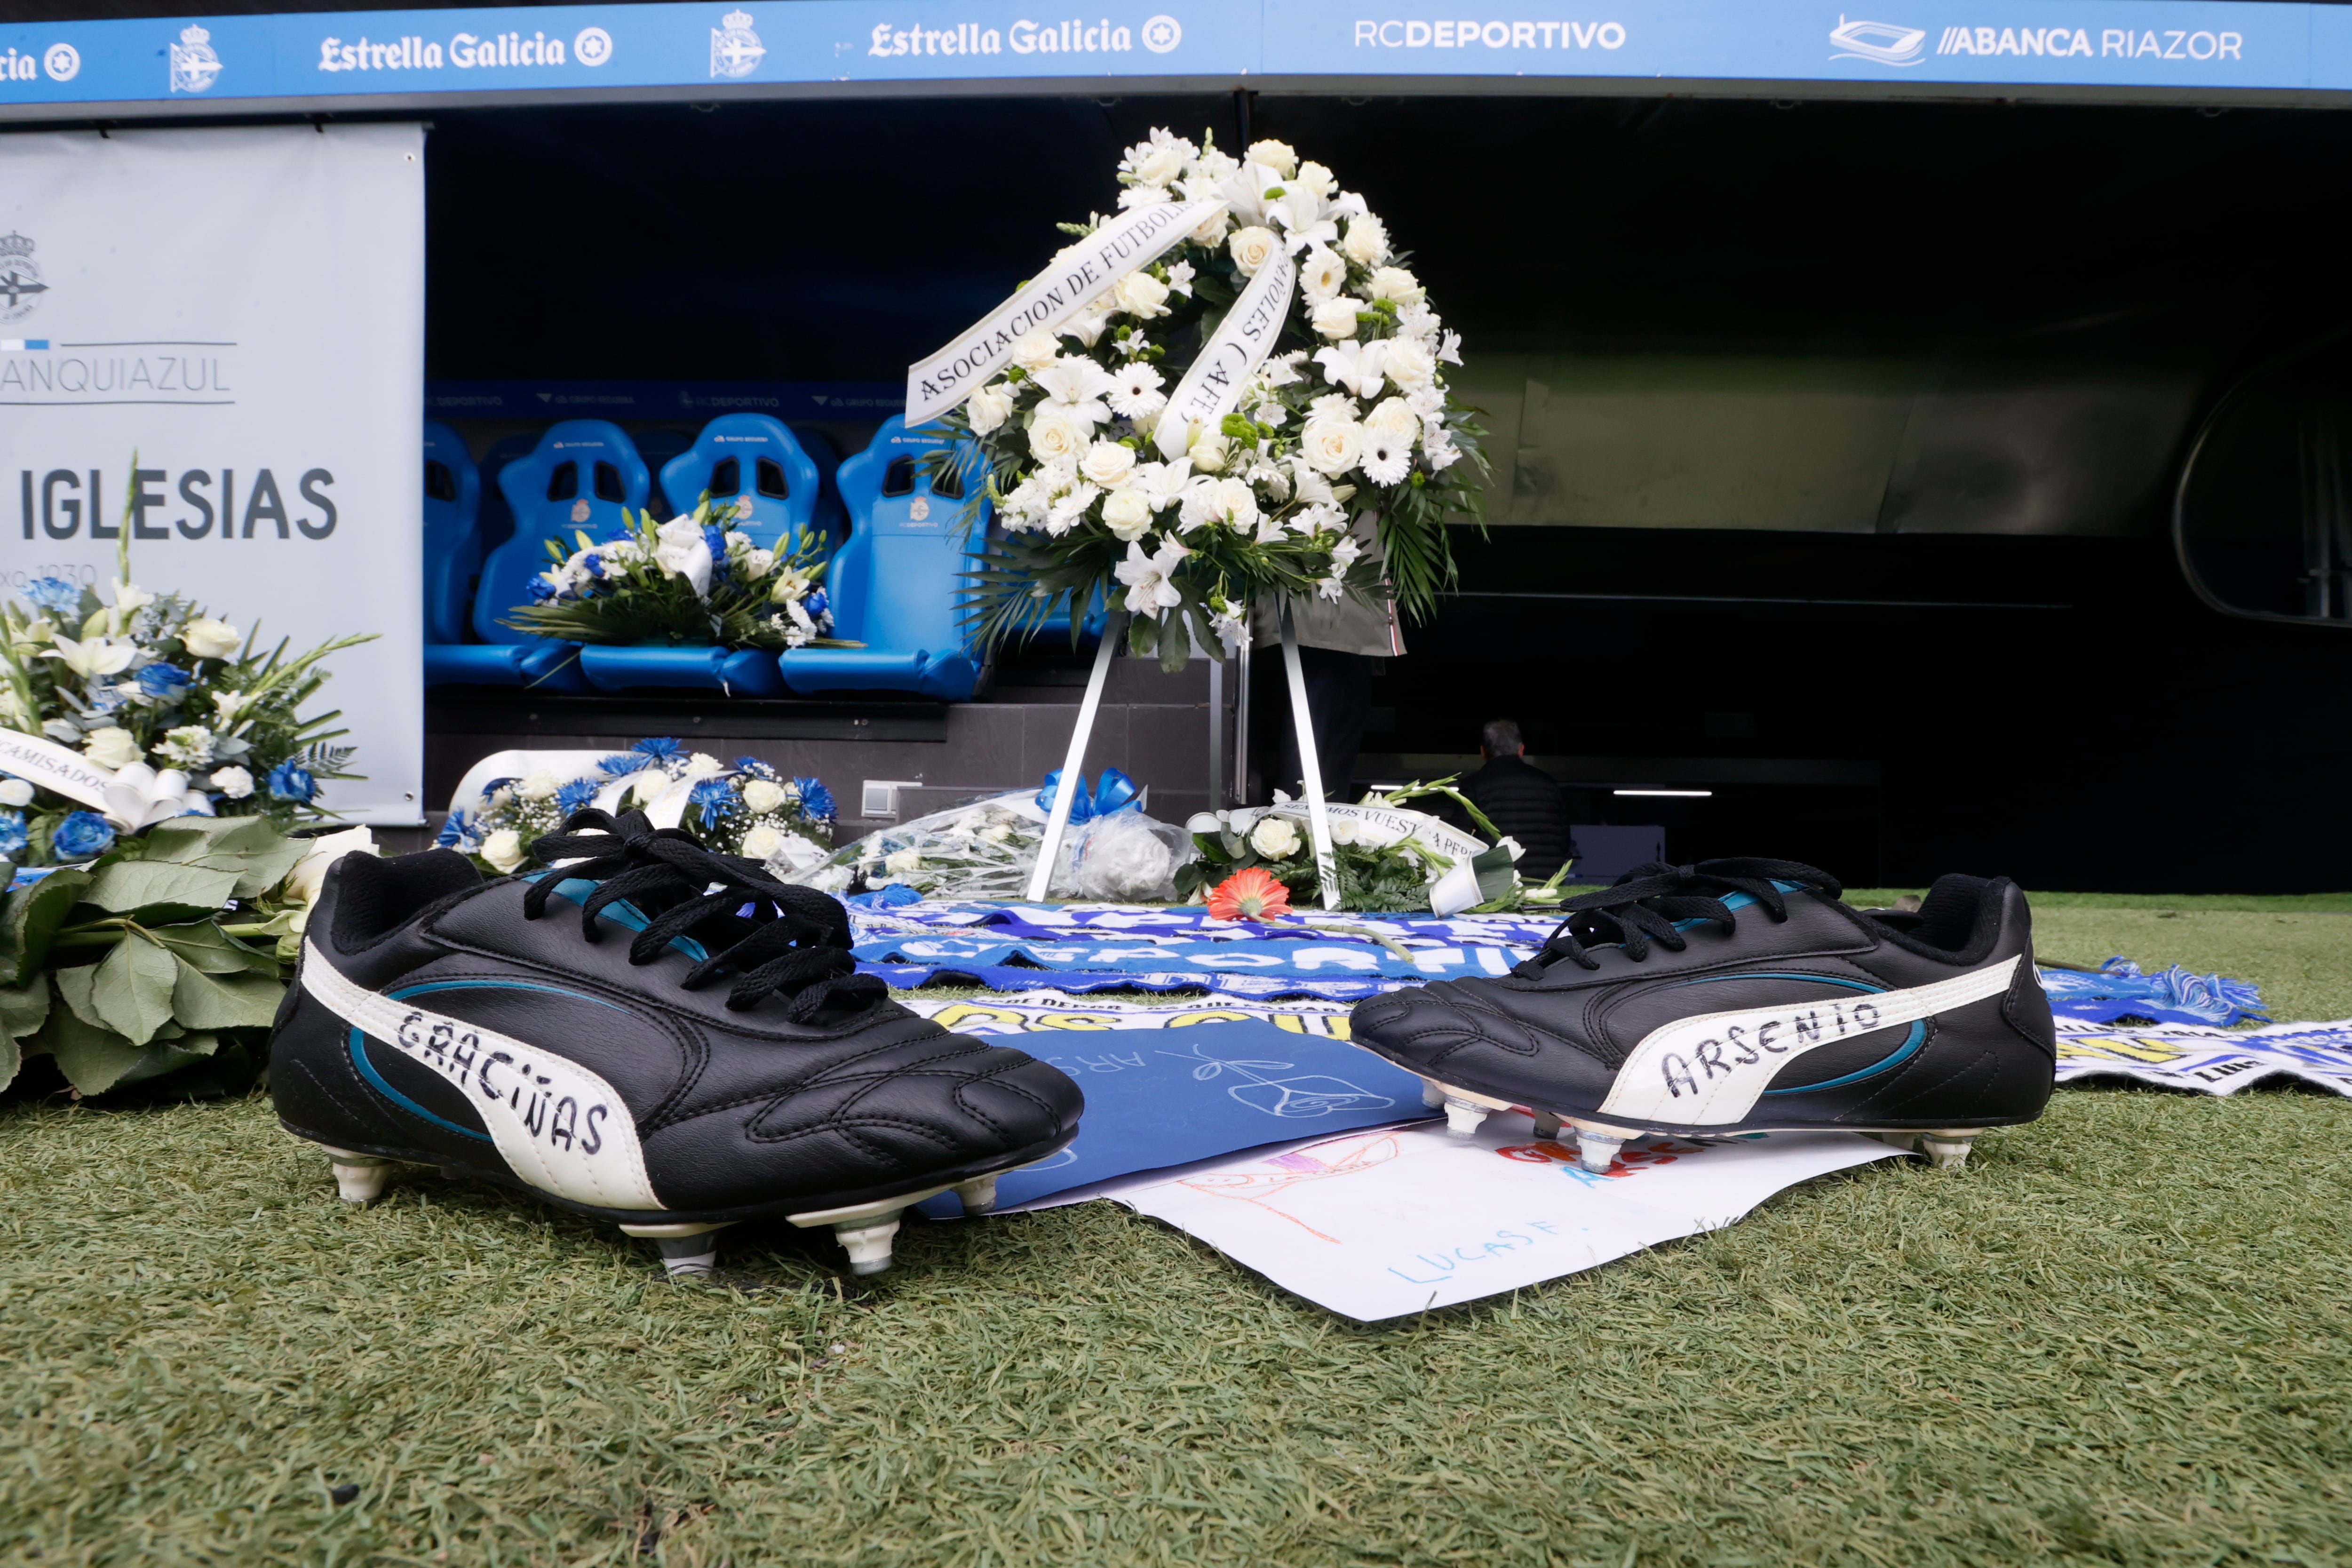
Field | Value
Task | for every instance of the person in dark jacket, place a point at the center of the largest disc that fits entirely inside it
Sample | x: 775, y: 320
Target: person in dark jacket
x: 1522, y: 799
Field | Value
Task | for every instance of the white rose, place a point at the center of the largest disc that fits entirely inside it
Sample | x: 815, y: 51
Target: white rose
x: 1234, y: 500
x: 1332, y: 445
x: 1408, y: 363
x: 1032, y: 352
x: 650, y: 782
x: 1343, y: 830
x: 1252, y: 248
x: 233, y: 783
x: 1313, y: 176
x: 1367, y: 244
x: 760, y: 842
x: 112, y: 748
x: 1394, y: 418
x: 989, y: 407
x: 1055, y: 435
x: 761, y: 796
x: 503, y: 849
x: 1161, y: 164
x: 1127, y: 514
x: 1142, y: 295
x: 539, y: 786
x: 703, y: 765
x: 16, y: 792
x: 758, y: 563
x: 1274, y: 839
x: 1394, y: 283
x: 1108, y: 462
x: 901, y: 862
x: 1210, y: 230
x: 309, y: 873
x: 206, y: 637
x: 1336, y: 317
x: 1274, y: 155
x: 1209, y: 450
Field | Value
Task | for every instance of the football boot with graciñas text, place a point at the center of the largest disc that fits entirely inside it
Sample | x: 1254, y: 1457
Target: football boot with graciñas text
x: 647, y: 1032
x: 1740, y: 996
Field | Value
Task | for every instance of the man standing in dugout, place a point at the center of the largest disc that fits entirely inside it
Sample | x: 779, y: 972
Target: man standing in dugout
x: 1521, y: 799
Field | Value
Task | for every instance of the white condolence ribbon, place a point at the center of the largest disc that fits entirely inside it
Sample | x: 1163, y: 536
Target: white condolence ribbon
x: 54, y: 767
x: 1214, y: 384
x: 1070, y: 282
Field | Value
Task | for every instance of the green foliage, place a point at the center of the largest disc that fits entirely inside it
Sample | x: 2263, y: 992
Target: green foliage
x: 145, y: 962
x: 641, y: 590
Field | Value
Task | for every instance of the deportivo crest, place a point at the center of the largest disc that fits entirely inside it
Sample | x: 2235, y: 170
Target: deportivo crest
x: 195, y: 66
x: 1708, y: 1070
x: 735, y: 49
x: 558, y: 1126
x: 20, y: 278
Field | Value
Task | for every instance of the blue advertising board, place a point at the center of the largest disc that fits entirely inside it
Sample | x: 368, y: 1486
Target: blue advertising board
x: 2163, y: 48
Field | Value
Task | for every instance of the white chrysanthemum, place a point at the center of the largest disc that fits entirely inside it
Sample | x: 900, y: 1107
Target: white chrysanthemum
x: 1321, y: 274
x: 1134, y: 392
x: 1136, y: 196
x: 1066, y: 510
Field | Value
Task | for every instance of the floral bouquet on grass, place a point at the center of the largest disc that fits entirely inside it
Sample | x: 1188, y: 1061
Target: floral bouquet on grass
x: 690, y: 582
x: 1348, y: 435
x: 1384, y: 862
x: 752, y: 809
x: 187, y: 713
x: 982, y: 851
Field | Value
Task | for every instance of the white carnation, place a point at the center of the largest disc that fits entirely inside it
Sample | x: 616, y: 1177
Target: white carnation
x: 233, y: 783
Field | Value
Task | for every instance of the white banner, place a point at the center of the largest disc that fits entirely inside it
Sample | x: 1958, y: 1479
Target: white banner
x: 245, y: 309
x: 1213, y: 385
x: 53, y: 767
x: 1074, y: 279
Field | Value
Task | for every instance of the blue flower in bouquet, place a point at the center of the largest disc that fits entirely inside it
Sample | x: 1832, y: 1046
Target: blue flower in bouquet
x: 164, y: 682
x: 54, y: 594
x: 82, y: 836
x: 716, y: 538
x: 658, y: 749
x: 815, y: 602
x: 815, y: 799
x: 577, y: 795
x: 106, y: 699
x: 290, y: 779
x: 13, y: 834
x: 754, y: 768
x: 541, y: 589
x: 712, y: 796
x: 458, y: 832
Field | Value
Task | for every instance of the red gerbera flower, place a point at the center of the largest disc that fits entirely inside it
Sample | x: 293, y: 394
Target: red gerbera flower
x: 1249, y: 895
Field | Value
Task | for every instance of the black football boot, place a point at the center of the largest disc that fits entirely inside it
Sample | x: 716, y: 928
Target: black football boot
x: 1741, y: 996
x: 651, y: 1033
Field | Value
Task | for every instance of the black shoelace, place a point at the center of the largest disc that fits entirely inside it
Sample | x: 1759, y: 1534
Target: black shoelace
x: 774, y: 937
x: 1647, y: 902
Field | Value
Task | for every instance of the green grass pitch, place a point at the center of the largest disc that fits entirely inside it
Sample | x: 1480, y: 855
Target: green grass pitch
x: 2120, y: 1336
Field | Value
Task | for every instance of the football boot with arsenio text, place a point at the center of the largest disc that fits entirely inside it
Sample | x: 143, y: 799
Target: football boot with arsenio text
x: 1740, y: 996
x: 647, y: 1032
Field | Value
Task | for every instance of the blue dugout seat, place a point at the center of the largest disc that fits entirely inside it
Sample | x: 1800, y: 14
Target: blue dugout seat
x: 453, y: 540
x: 898, y: 584
x: 658, y: 447
x: 577, y: 479
x: 497, y: 525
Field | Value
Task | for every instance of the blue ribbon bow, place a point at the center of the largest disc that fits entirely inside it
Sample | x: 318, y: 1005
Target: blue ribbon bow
x: 1113, y: 792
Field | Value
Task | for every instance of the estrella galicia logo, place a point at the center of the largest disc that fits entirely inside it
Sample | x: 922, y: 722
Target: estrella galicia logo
x: 195, y: 66
x: 1162, y: 33
x: 1881, y: 42
x: 20, y: 277
x: 735, y: 49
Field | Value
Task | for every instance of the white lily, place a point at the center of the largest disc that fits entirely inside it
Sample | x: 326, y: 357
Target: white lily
x: 1150, y: 579
x: 92, y: 655
x: 1354, y: 366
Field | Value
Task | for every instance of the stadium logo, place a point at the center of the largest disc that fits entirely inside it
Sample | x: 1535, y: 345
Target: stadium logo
x: 1881, y: 43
